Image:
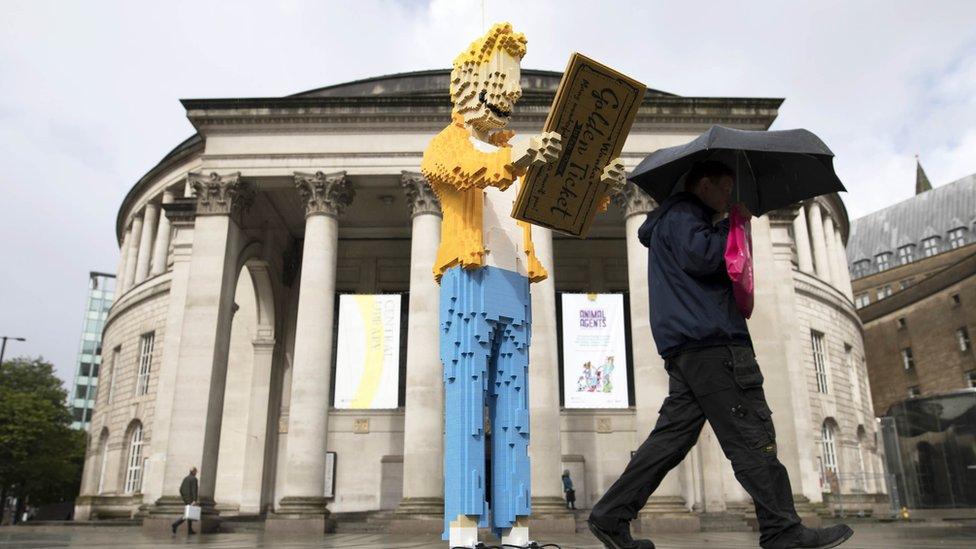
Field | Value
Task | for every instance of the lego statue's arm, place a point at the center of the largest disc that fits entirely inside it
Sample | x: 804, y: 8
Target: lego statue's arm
x: 614, y: 178
x: 536, y: 151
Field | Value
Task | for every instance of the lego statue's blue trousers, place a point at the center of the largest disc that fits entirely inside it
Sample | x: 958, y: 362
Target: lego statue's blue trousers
x: 485, y: 317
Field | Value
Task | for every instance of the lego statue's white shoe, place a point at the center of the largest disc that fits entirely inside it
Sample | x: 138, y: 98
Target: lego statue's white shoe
x: 518, y: 534
x: 464, y: 532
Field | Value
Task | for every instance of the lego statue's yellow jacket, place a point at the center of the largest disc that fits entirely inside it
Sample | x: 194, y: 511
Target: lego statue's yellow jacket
x: 459, y: 171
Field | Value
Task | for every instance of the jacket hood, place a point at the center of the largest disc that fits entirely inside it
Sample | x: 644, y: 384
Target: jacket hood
x: 644, y: 233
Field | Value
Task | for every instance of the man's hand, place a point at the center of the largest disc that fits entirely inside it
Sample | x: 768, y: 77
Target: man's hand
x: 537, y: 150
x: 614, y: 176
x: 742, y: 210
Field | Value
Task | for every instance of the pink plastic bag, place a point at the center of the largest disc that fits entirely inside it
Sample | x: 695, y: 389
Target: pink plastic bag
x: 738, y: 262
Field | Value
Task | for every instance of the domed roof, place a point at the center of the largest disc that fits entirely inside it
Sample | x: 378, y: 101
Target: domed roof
x: 432, y: 82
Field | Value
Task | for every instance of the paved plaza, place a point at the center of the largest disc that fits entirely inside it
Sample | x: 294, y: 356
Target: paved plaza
x: 867, y: 536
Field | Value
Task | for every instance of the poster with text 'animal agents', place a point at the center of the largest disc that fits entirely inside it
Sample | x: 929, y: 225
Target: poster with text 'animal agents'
x: 594, y: 351
x: 368, y: 352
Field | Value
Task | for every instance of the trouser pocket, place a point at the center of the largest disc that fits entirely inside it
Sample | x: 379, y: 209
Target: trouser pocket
x: 752, y: 411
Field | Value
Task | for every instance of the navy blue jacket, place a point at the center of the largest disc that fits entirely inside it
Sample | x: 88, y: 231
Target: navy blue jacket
x: 690, y: 292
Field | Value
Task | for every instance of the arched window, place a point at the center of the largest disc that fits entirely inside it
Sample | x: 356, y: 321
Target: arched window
x: 829, y: 450
x: 102, y: 451
x: 133, y: 470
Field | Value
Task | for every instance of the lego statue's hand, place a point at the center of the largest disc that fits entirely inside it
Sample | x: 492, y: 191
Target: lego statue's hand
x: 537, y: 150
x: 614, y: 176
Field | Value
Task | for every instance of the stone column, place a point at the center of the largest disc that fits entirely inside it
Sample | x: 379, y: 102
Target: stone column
x: 150, y: 217
x: 549, y: 513
x: 665, y: 510
x: 819, y: 241
x: 831, y: 240
x: 302, y: 506
x: 204, y: 341
x: 713, y: 472
x: 135, y: 236
x: 801, y: 237
x: 422, y: 506
x: 123, y: 262
x: 181, y: 215
x: 844, y: 274
x: 163, y: 233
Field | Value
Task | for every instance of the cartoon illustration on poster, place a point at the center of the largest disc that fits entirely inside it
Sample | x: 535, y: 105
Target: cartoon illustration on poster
x: 594, y: 351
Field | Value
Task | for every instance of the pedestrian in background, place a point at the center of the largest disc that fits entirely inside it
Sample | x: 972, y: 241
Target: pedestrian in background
x: 568, y: 490
x: 188, y: 491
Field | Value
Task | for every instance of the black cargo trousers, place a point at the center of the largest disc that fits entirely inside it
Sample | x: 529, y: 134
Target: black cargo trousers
x: 723, y: 385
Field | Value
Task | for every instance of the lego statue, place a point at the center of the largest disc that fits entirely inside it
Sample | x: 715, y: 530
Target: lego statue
x: 484, y: 266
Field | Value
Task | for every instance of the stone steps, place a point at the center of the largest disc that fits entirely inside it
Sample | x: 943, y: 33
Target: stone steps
x: 724, y: 522
x: 363, y: 522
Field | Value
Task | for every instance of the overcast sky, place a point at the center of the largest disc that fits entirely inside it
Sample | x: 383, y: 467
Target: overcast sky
x: 89, y: 96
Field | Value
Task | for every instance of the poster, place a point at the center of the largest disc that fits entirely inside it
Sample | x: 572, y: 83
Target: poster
x: 593, y: 111
x: 594, y: 351
x: 368, y: 351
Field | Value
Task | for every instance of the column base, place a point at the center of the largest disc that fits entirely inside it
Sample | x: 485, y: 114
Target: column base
x: 550, y: 515
x: 300, y: 515
x: 667, y: 514
x: 418, y: 516
x: 160, y: 516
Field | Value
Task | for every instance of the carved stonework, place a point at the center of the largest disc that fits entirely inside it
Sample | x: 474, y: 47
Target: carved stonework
x: 783, y: 216
x: 634, y: 201
x: 324, y: 193
x: 221, y: 194
x: 422, y: 199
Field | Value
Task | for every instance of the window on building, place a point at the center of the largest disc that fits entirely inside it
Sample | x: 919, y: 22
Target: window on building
x: 133, y: 472
x: 862, y: 300
x: 829, y: 450
x: 914, y: 391
x: 84, y: 369
x: 78, y: 414
x: 907, y: 360
x: 901, y: 323
x: 884, y: 291
x: 905, y: 284
x: 81, y: 392
x: 145, y: 362
x: 861, y: 267
x: 930, y: 246
x: 819, y: 360
x: 906, y: 254
x: 962, y: 336
x: 957, y: 238
x: 883, y: 261
x: 971, y: 379
x: 94, y: 370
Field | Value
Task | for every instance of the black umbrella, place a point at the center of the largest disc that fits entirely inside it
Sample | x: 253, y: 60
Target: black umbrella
x: 774, y: 169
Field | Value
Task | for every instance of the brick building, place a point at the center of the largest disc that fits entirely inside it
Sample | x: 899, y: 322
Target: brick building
x: 914, y: 278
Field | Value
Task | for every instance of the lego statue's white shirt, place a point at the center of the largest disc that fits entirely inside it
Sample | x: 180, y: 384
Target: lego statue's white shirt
x: 504, y: 239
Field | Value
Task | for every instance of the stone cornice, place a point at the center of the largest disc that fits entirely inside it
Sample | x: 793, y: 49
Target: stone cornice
x: 633, y: 201
x: 221, y: 194
x: 420, y: 196
x: 815, y: 288
x: 324, y: 194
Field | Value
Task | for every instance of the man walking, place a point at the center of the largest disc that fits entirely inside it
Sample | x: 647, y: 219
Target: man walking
x: 713, y: 374
x: 188, y: 491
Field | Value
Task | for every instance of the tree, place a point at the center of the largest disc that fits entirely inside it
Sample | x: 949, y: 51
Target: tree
x: 41, y: 457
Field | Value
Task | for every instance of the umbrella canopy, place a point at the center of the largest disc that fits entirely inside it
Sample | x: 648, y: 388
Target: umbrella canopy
x: 774, y: 169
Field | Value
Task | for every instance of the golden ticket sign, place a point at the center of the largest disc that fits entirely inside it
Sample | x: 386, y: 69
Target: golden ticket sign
x: 593, y: 110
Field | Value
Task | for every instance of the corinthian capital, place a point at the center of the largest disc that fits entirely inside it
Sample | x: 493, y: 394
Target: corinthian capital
x: 420, y: 195
x: 324, y: 193
x: 634, y: 201
x: 221, y: 194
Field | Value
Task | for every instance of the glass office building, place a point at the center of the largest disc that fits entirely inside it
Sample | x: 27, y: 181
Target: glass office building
x: 101, y: 290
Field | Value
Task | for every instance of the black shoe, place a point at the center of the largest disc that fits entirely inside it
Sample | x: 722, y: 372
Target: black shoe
x: 620, y: 539
x: 820, y: 538
x: 173, y: 526
x: 191, y: 533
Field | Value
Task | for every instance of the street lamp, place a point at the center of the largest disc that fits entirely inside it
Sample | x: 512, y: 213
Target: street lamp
x: 3, y: 347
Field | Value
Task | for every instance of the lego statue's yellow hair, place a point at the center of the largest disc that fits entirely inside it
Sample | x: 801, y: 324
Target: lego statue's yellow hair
x: 501, y: 36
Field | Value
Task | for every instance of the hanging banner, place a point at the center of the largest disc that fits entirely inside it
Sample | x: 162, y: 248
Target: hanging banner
x: 594, y: 351
x: 368, y: 351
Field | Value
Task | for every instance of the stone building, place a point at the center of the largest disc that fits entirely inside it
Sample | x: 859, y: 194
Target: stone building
x: 914, y: 268
x: 221, y: 341
x: 100, y: 292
